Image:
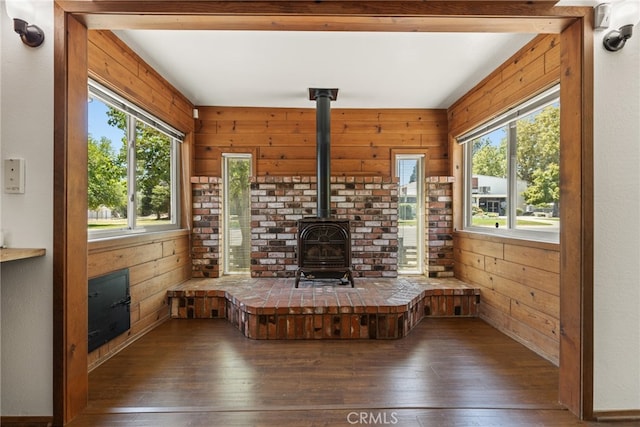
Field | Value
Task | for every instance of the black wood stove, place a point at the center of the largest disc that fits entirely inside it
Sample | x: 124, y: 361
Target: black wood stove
x: 324, y: 243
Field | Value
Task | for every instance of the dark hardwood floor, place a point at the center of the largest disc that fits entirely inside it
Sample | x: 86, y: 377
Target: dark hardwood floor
x: 447, y: 372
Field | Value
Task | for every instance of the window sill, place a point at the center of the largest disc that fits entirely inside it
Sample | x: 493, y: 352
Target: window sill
x: 134, y: 239
x: 519, y: 240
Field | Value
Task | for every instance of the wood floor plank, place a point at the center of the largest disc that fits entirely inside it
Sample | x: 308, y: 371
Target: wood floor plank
x: 206, y: 373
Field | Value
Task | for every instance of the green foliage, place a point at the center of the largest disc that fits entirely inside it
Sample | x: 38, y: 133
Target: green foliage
x: 153, y: 162
x: 414, y: 173
x: 153, y: 165
x: 539, y: 156
x: 405, y: 211
x: 489, y: 159
x: 160, y: 200
x: 545, y: 186
x: 239, y: 174
x: 106, y: 186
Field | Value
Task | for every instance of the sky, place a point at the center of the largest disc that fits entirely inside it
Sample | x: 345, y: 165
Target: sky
x: 98, y: 126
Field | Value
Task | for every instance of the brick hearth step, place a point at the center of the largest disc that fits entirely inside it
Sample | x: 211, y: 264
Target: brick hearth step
x: 264, y: 308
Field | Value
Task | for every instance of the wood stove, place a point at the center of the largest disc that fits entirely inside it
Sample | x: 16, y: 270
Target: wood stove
x: 324, y: 249
x: 324, y: 243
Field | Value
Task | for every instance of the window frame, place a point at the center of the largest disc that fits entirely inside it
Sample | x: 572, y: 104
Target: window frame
x: 421, y: 163
x: 534, y: 104
x: 136, y: 114
x: 226, y: 241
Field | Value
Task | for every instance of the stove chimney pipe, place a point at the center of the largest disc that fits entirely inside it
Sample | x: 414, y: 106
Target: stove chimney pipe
x: 323, y: 98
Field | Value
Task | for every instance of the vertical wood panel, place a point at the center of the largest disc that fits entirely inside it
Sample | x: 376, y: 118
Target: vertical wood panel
x: 576, y: 233
x: 70, y: 379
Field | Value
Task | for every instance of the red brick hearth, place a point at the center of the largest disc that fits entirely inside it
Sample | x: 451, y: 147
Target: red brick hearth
x: 272, y: 308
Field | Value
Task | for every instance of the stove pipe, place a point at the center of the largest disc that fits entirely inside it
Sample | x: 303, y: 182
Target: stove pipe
x: 323, y: 98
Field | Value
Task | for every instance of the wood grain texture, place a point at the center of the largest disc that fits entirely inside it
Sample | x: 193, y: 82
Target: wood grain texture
x: 156, y: 262
x: 284, y: 139
x: 115, y: 65
x: 446, y: 372
x: 520, y: 279
x: 13, y: 254
x: 576, y: 216
x: 519, y: 288
x: 70, y: 381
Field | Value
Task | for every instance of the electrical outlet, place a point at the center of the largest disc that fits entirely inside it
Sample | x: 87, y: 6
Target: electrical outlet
x: 14, y: 176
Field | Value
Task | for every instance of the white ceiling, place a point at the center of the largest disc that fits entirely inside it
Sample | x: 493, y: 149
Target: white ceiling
x: 371, y: 70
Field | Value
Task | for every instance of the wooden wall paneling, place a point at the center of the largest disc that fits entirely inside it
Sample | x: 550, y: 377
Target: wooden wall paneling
x: 70, y: 380
x: 518, y: 78
x: 521, y: 294
x: 111, y: 62
x: 286, y: 138
x: 155, y: 264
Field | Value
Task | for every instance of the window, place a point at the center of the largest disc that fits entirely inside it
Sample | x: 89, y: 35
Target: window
x: 409, y: 169
x: 512, y: 171
x: 133, y: 163
x: 237, y: 212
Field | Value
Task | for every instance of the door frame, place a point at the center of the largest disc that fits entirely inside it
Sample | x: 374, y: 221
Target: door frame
x: 73, y: 18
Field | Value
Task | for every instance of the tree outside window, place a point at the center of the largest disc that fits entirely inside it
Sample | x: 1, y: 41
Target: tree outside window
x: 514, y: 172
x: 128, y: 173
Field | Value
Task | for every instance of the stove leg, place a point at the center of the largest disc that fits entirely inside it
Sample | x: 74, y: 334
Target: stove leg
x: 297, y: 277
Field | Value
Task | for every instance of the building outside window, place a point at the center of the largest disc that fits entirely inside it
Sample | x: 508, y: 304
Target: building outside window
x: 133, y: 163
x: 512, y: 171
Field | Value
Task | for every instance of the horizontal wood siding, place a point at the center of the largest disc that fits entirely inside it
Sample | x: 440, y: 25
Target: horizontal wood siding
x: 113, y: 64
x: 284, y: 139
x: 519, y: 285
x: 155, y: 261
x: 519, y: 280
x: 532, y: 69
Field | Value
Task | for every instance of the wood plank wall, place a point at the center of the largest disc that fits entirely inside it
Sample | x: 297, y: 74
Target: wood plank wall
x: 283, y: 140
x: 160, y: 260
x: 519, y: 280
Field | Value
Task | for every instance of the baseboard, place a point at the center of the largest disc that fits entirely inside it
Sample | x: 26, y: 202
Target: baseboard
x: 28, y: 421
x: 627, y: 415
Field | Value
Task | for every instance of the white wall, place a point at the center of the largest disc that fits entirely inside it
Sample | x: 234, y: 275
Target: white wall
x: 617, y: 225
x: 26, y: 131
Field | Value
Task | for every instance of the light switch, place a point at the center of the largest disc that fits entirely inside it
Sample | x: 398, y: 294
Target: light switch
x: 14, y: 175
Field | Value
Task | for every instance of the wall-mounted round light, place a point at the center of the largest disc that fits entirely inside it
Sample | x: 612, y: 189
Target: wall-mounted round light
x: 21, y: 12
x: 615, y: 40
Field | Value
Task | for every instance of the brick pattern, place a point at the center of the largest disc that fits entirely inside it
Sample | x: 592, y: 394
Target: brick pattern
x: 369, y: 203
x: 439, y: 237
x: 274, y: 309
x: 205, y: 237
x: 277, y: 203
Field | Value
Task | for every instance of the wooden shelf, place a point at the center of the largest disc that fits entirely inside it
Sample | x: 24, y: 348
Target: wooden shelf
x: 12, y: 254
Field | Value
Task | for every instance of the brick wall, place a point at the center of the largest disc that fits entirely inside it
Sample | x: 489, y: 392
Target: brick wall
x: 370, y: 203
x: 205, y: 237
x: 439, y: 237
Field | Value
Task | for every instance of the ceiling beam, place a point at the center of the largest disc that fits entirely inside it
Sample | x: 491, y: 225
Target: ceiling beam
x: 328, y: 15
x: 542, y: 25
